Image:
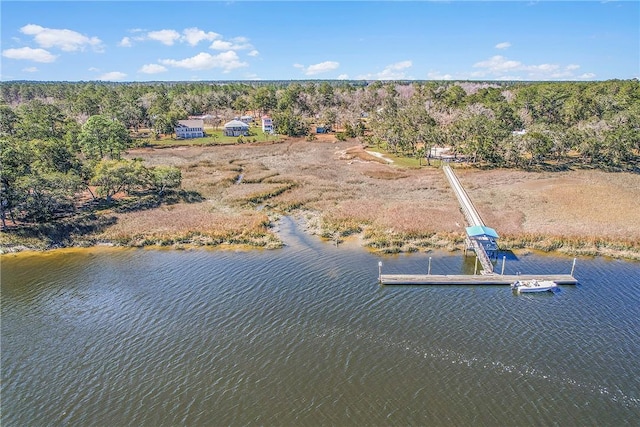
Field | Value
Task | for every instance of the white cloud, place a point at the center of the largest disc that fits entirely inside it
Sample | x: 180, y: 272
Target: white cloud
x: 66, y: 40
x: 343, y: 77
x: 112, y: 76
x: 167, y: 37
x: 503, y: 45
x: 30, y: 69
x: 436, y: 75
x: 152, y: 69
x: 322, y: 67
x: 193, y: 36
x: 501, y: 68
x: 125, y: 42
x: 203, y: 61
x: 586, y: 76
x: 237, y: 43
x: 394, y: 71
x: 221, y: 45
x: 94, y: 69
x: 37, y: 55
x: 498, y: 64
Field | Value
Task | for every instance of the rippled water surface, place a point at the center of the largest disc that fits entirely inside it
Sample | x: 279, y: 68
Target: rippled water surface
x: 306, y: 336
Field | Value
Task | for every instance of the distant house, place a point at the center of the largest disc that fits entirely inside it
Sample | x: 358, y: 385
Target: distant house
x: 236, y: 128
x: 246, y: 119
x: 189, y: 129
x: 267, y: 124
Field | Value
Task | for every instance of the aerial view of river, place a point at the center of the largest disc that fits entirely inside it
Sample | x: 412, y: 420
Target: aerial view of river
x: 305, y: 335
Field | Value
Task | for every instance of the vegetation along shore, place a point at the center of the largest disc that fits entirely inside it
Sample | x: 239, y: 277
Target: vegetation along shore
x: 551, y: 166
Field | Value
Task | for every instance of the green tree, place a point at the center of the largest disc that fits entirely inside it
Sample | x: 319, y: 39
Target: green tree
x: 16, y: 156
x: 538, y: 145
x: 39, y: 120
x: 115, y: 176
x: 43, y: 195
x: 286, y: 123
x: 165, y: 177
x: 478, y: 137
x: 101, y: 136
x: 264, y: 99
x: 8, y: 121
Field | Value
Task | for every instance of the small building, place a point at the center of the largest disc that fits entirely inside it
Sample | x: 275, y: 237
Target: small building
x: 267, y: 124
x: 323, y: 129
x: 485, y: 236
x: 246, y: 119
x: 189, y: 129
x: 236, y: 128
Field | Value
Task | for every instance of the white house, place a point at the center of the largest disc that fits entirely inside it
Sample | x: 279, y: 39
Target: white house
x: 267, y: 124
x: 246, y: 119
x: 236, y: 128
x: 189, y: 129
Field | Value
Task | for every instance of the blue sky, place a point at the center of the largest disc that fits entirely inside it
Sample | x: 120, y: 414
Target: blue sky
x: 242, y: 40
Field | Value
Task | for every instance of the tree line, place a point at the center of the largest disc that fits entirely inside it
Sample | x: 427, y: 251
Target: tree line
x: 59, y: 137
x: 47, y: 159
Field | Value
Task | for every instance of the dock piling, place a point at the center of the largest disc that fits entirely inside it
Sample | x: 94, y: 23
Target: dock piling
x: 429, y: 266
x: 573, y: 267
x: 380, y: 271
x: 504, y: 259
x: 475, y: 271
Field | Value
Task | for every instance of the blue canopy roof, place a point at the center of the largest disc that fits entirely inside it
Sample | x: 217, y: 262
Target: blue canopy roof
x: 481, y: 230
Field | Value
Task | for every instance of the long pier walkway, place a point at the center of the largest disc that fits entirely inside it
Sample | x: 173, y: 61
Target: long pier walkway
x: 472, y: 216
x: 469, y: 211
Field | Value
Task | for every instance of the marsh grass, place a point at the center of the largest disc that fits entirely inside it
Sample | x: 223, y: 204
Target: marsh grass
x: 193, y: 224
x: 344, y: 191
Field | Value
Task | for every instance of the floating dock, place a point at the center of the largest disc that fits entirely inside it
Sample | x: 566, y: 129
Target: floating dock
x: 462, y: 279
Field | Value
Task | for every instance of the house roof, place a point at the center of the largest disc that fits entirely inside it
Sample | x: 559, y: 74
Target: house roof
x: 236, y: 124
x: 481, y: 230
x: 191, y: 123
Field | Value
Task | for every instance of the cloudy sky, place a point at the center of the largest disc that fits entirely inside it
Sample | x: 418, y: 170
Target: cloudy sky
x: 242, y: 40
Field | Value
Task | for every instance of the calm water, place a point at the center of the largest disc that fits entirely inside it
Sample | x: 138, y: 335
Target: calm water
x: 306, y: 336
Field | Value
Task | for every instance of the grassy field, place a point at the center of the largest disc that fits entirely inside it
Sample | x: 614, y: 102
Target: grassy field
x: 340, y: 189
x: 214, y: 136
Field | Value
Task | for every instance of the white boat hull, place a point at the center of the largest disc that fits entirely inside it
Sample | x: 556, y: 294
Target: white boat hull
x: 531, y: 286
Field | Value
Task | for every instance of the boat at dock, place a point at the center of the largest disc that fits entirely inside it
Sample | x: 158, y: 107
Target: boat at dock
x: 533, y: 285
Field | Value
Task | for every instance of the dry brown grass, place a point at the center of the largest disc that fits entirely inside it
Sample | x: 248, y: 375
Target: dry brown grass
x: 342, y: 190
x: 587, y: 212
x: 197, y: 223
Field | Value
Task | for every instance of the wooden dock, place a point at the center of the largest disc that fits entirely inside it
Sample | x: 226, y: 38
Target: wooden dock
x: 471, y: 215
x: 462, y: 279
x: 488, y: 277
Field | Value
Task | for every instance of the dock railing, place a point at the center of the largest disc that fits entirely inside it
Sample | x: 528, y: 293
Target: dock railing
x: 471, y: 214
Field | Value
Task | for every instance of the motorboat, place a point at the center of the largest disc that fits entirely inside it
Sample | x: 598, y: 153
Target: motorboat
x: 533, y: 285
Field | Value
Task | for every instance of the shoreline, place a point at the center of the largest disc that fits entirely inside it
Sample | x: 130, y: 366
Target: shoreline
x: 393, y: 244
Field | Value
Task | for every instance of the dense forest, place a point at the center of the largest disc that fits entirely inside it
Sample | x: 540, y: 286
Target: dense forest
x: 60, y: 139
